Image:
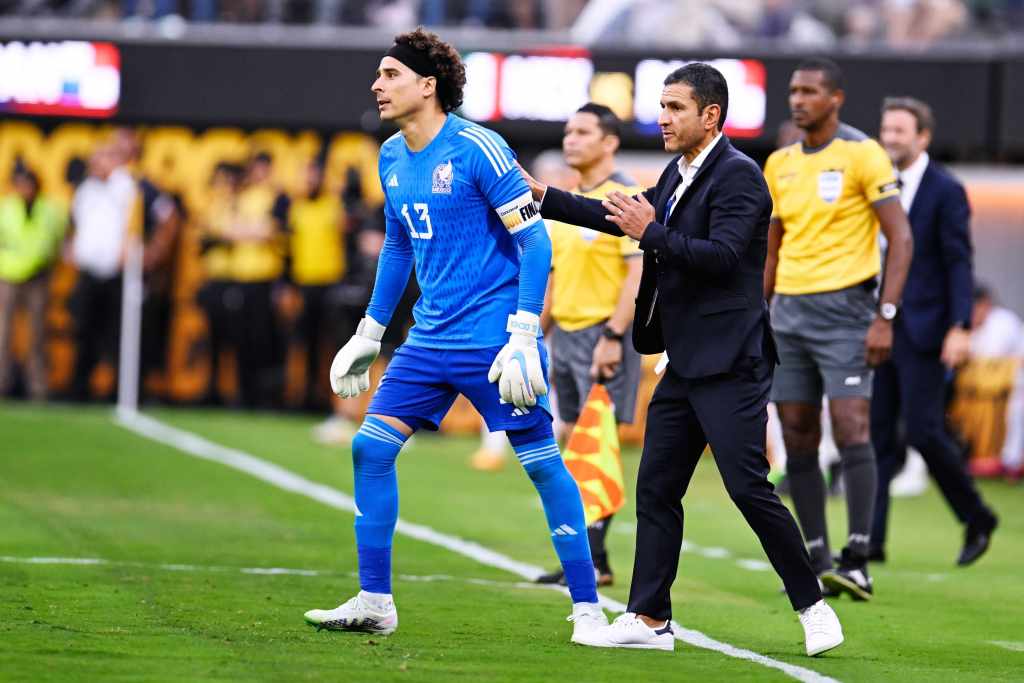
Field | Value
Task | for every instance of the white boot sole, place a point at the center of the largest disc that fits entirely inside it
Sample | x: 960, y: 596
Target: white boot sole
x: 825, y: 648
x: 667, y: 645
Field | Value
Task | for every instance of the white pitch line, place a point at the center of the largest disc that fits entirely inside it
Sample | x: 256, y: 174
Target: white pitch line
x: 195, y: 445
x: 259, y: 571
x: 712, y: 553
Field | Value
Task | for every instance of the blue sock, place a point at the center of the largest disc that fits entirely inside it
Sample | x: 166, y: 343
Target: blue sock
x: 564, y: 510
x: 374, y: 451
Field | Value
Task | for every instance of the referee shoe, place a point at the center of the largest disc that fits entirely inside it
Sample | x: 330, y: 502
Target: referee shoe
x: 851, y: 577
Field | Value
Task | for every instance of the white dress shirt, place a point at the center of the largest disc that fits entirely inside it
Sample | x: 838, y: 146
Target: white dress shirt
x: 101, y: 210
x: 687, y: 171
x: 910, y: 178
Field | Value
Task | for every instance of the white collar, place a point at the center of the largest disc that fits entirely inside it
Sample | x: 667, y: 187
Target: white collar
x: 699, y: 159
x: 912, y: 174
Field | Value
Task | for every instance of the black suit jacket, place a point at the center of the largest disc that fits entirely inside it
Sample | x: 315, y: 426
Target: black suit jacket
x: 940, y: 284
x: 701, y: 296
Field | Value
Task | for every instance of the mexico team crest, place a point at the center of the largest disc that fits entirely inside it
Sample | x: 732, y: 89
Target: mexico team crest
x: 442, y: 180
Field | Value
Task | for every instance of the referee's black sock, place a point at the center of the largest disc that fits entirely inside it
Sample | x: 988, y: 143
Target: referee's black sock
x: 860, y: 475
x: 807, y: 487
x: 596, y: 534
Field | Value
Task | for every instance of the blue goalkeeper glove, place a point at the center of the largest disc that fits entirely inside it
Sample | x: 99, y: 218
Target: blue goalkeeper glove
x: 517, y: 368
x: 350, y: 371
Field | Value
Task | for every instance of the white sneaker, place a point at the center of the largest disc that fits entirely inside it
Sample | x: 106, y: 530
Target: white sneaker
x: 586, y: 618
x: 912, y: 480
x: 822, y: 630
x: 629, y: 631
x: 335, y: 431
x: 361, y: 613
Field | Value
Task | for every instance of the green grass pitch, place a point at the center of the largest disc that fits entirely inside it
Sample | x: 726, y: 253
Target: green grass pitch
x: 174, y: 595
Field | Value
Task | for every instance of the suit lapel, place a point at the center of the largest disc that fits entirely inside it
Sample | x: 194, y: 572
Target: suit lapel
x: 923, y: 188
x: 708, y: 162
x: 670, y: 186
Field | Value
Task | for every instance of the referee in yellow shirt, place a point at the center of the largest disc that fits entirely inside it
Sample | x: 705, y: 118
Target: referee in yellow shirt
x: 316, y: 243
x: 831, y: 192
x: 588, y: 314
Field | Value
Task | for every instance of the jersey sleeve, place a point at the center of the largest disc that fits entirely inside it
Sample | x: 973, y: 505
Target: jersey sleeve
x: 877, y: 175
x: 769, y: 177
x: 492, y: 165
x: 629, y: 247
x: 394, y: 265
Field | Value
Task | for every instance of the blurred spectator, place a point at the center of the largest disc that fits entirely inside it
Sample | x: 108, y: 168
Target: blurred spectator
x: 244, y: 11
x: 922, y: 22
x: 101, y: 211
x: 153, y: 9
x: 689, y: 22
x: 859, y: 24
x: 31, y: 229
x: 789, y: 21
x: 161, y: 217
x: 515, y: 14
x: 257, y: 262
x: 215, y: 224
x: 392, y: 14
x: 316, y: 230
x: 348, y: 302
x: 998, y: 332
x: 560, y: 14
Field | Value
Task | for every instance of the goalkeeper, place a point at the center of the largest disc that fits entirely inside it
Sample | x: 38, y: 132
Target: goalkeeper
x: 457, y: 209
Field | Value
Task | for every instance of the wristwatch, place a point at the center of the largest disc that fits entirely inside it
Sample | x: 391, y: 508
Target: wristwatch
x: 609, y: 333
x: 888, y: 311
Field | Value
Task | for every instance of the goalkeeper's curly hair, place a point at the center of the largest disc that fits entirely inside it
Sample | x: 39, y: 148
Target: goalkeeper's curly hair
x: 445, y: 58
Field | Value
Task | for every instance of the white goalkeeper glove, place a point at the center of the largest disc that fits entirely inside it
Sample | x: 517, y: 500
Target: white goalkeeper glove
x: 517, y: 368
x: 350, y: 371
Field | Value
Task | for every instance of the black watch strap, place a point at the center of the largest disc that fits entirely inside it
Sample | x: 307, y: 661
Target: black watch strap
x: 609, y: 333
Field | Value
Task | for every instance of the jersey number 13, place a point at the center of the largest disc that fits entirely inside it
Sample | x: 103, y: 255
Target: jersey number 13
x: 424, y: 220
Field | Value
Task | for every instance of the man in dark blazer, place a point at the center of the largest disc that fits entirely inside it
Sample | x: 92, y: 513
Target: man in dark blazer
x: 930, y: 335
x: 703, y: 229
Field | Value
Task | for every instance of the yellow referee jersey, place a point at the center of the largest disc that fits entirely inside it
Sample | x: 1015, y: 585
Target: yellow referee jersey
x: 824, y: 199
x: 257, y: 261
x: 589, y: 267
x: 317, y: 241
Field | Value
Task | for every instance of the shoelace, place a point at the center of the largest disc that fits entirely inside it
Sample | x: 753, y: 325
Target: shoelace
x: 581, y: 615
x: 815, y: 619
x: 358, y: 603
x: 626, y: 621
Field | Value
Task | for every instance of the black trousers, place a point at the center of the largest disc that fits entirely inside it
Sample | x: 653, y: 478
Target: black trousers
x: 212, y: 299
x: 96, y: 303
x: 255, y: 336
x: 155, y: 328
x: 312, y: 331
x: 729, y: 412
x: 911, y: 386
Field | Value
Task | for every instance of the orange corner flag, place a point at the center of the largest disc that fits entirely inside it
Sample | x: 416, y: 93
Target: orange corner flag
x: 592, y: 456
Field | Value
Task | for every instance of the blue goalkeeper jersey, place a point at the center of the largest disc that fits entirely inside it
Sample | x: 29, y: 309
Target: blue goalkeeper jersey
x: 456, y: 205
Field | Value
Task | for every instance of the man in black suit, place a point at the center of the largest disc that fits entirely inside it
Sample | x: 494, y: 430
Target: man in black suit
x: 703, y: 229
x: 931, y: 333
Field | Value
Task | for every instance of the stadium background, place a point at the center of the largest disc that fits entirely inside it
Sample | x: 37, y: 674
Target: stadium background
x: 223, y: 93
x: 200, y: 93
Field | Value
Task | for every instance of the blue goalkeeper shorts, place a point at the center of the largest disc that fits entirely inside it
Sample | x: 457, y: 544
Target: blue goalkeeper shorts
x: 420, y: 385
